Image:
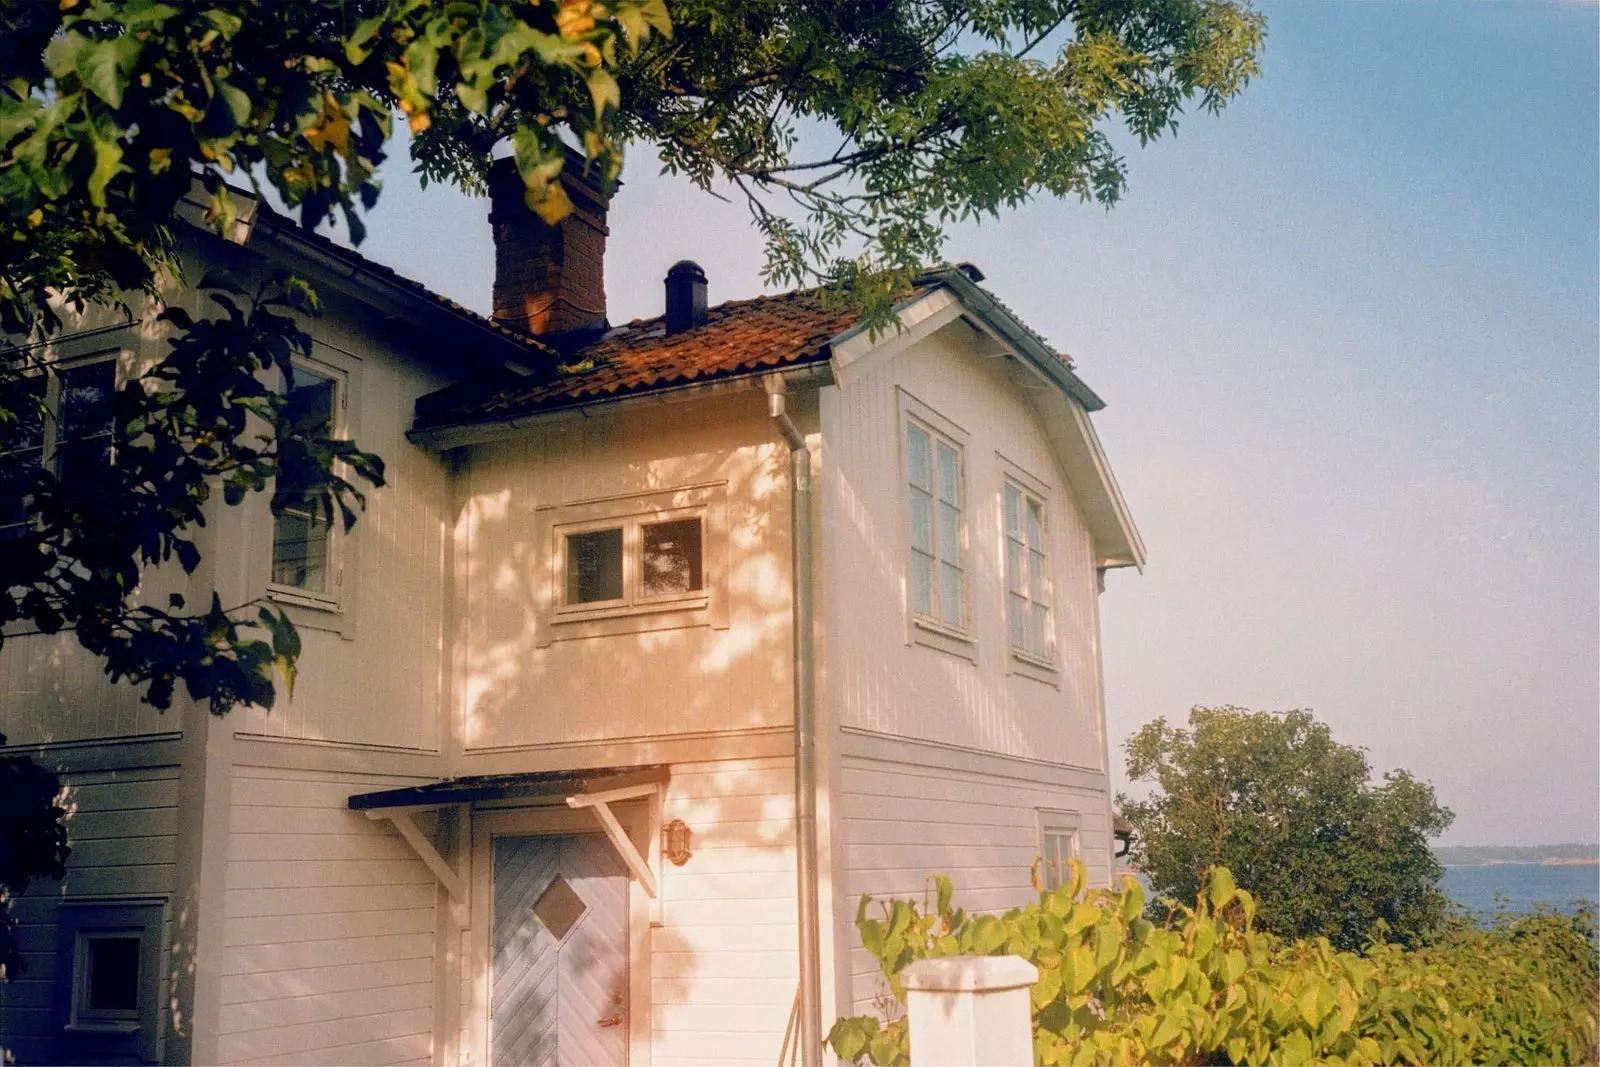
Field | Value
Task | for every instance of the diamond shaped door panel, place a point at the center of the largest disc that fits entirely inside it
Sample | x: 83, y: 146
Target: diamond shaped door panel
x: 559, y: 966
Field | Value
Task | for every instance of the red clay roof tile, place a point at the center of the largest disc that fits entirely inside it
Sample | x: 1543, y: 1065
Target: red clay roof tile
x: 739, y: 336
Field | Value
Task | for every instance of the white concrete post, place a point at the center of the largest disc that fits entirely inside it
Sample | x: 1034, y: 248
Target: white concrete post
x: 970, y: 1011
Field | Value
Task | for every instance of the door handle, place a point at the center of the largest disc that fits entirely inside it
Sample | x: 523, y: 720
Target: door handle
x: 610, y: 1020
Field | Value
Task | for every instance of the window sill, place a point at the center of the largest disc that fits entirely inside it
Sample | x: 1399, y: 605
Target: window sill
x: 619, y: 609
x: 120, y: 1027
x: 1040, y: 670
x: 930, y: 634
x: 301, y: 599
x: 574, y: 625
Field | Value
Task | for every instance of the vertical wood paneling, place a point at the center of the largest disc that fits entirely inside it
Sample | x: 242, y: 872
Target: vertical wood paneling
x: 518, y: 690
x: 893, y: 686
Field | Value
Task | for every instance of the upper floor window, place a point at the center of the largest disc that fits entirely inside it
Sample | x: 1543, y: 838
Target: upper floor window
x: 65, y: 423
x: 1027, y: 574
x: 303, y: 557
x: 634, y: 564
x: 635, y: 561
x: 935, y: 501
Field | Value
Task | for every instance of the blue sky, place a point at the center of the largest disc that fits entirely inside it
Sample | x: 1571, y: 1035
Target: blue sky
x: 1349, y: 333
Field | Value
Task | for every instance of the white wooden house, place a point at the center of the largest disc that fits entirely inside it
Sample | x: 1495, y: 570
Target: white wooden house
x: 534, y: 799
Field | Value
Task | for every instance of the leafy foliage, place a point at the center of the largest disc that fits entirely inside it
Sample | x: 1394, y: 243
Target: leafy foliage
x: 1206, y: 986
x: 1295, y: 814
x: 33, y: 841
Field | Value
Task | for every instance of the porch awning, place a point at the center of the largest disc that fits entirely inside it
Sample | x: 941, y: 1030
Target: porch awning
x: 484, y: 787
x: 594, y: 788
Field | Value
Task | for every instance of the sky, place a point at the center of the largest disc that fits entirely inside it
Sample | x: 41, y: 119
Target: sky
x: 1348, y: 333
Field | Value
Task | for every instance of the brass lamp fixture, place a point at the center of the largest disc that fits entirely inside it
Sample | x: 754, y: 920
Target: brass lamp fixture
x: 675, y: 842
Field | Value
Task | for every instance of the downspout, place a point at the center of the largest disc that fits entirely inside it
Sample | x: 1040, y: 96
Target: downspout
x: 805, y: 725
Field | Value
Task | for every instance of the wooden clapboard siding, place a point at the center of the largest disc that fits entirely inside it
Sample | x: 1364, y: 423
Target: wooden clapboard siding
x: 518, y: 689
x: 906, y: 819
x: 122, y: 830
x: 879, y: 679
x: 329, y: 933
x: 724, y: 962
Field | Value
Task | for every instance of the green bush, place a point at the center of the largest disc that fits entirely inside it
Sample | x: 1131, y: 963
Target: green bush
x: 1205, y: 986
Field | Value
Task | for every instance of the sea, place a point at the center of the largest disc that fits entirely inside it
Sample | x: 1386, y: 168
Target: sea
x: 1521, y: 887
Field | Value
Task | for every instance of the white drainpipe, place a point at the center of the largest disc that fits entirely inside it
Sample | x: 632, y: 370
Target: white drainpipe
x: 805, y: 726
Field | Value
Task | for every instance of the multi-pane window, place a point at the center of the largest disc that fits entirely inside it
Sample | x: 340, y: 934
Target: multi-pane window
x: 635, y: 561
x: 1058, y: 847
x: 1027, y: 577
x: 934, y: 506
x: 302, y: 536
x: 64, y: 422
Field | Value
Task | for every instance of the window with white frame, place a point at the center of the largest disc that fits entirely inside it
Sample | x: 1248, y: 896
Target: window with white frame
x: 634, y: 561
x: 1058, y: 847
x: 65, y: 424
x: 109, y: 979
x: 1027, y: 575
x: 633, y: 564
x: 304, y: 557
x: 935, y: 491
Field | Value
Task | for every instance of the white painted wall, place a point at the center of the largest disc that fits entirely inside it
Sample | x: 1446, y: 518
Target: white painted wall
x: 329, y: 930
x: 520, y: 690
x: 880, y: 680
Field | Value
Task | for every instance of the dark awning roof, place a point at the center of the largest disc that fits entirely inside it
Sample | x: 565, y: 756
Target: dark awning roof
x: 508, y: 786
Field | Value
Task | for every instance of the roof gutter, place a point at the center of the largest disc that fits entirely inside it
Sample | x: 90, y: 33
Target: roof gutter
x: 481, y: 431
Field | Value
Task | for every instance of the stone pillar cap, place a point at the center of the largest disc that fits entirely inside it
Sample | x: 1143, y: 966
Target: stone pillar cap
x: 969, y: 974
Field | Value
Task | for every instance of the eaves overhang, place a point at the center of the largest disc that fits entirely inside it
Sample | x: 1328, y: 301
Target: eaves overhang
x: 480, y: 340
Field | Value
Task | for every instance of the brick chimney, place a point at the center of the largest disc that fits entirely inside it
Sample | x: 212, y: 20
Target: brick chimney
x: 548, y: 279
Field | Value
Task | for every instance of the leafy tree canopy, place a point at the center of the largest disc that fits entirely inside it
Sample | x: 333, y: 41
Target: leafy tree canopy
x: 922, y: 112
x: 1296, y: 815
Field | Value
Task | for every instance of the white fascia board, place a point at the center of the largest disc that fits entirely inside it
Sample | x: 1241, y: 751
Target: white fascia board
x: 1062, y: 397
x: 1116, y: 539
x: 917, y: 319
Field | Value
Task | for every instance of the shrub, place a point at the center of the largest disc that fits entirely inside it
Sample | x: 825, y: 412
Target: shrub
x: 1205, y: 986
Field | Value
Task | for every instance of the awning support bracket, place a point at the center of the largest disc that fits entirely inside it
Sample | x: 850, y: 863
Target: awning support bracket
x: 451, y: 879
x: 647, y: 871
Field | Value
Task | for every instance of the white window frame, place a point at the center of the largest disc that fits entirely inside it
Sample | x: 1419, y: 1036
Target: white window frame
x: 1040, y: 664
x: 1056, y: 825
x: 52, y: 372
x: 331, y: 600
x: 923, y: 628
x: 89, y: 1033
x: 634, y: 612
x: 633, y: 595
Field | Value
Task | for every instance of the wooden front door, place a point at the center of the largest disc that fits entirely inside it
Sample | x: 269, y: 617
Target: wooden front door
x: 559, y: 952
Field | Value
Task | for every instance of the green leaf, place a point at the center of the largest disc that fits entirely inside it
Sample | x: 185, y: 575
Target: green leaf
x: 604, y: 90
x: 1168, y: 1027
x: 105, y: 67
x: 107, y: 164
x: 1222, y: 886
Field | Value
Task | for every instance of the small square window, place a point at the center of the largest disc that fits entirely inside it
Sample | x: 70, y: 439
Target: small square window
x: 594, y: 566
x: 111, y: 985
x: 671, y: 558
x: 108, y: 980
x: 1058, y: 847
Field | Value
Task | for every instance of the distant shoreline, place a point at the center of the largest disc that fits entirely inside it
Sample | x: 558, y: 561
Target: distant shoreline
x: 1553, y: 861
